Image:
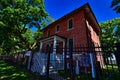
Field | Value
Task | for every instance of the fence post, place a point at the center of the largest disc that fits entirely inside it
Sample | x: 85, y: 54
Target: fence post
x: 17, y: 58
x: 98, y: 72
x: 117, y: 55
x: 48, y: 63
x: 31, y: 61
x: 71, y: 59
x: 93, y: 50
x: 65, y: 63
x: 117, y: 60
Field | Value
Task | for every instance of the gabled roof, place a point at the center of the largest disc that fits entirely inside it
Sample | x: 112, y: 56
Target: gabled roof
x: 89, y: 15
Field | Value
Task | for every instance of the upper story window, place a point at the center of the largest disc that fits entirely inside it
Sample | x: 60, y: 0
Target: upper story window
x: 48, y: 33
x: 57, y: 28
x: 70, y: 24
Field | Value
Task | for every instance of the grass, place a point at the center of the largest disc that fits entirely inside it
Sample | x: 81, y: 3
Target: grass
x: 9, y: 72
x: 108, y: 73
x: 81, y: 76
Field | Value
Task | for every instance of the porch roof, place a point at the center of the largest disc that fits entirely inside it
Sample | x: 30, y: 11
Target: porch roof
x: 51, y: 39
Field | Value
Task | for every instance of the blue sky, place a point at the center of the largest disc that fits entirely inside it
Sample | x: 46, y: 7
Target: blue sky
x: 100, y: 8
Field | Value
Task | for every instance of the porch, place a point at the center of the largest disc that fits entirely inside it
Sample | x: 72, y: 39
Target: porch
x: 57, y: 53
x: 53, y: 42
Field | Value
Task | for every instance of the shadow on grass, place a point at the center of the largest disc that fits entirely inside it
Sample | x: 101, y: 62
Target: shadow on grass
x: 110, y: 73
x: 8, y: 72
x: 81, y: 76
x: 106, y: 74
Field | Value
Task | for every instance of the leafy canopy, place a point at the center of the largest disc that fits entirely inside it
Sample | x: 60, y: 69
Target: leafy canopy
x: 115, y: 4
x: 110, y: 32
x: 16, y: 19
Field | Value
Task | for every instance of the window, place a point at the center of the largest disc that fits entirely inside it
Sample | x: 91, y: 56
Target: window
x: 57, y: 28
x: 48, y: 33
x: 70, y: 24
x: 70, y: 45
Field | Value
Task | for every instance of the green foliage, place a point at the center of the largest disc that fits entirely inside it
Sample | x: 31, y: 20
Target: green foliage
x: 115, y: 5
x: 9, y: 72
x: 28, y: 36
x: 110, y: 32
x: 17, y: 17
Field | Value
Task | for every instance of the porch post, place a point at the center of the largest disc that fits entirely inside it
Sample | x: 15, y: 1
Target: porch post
x: 54, y: 51
x: 41, y: 46
x: 54, y: 45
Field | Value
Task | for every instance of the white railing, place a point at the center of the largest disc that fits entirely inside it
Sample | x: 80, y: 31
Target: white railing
x: 40, y: 62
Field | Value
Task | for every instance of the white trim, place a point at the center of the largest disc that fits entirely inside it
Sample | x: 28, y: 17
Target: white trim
x: 49, y: 39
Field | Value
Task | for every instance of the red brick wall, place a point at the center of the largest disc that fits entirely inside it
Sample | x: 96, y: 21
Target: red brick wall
x: 78, y: 33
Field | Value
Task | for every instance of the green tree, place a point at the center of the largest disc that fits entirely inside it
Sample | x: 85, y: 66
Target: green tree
x: 16, y: 19
x: 115, y: 4
x: 110, y: 32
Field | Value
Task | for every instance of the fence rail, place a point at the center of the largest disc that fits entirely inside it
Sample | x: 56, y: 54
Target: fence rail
x: 77, y: 63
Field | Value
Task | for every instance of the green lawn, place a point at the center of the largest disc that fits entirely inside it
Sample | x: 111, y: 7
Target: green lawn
x: 107, y: 74
x: 81, y: 76
x: 110, y: 73
x: 9, y: 72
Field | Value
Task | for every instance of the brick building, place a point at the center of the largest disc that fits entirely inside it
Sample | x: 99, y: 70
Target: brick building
x: 78, y: 27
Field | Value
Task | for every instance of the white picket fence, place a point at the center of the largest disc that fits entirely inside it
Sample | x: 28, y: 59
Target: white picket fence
x: 39, y: 62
